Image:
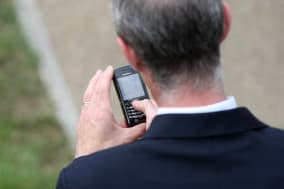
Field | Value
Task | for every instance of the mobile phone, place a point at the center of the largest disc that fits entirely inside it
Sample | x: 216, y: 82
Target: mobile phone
x: 130, y: 86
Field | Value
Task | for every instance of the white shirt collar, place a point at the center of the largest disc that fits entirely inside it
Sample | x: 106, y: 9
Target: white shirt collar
x: 228, y: 104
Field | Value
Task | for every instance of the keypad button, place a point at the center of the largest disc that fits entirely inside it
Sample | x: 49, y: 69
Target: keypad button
x: 141, y: 116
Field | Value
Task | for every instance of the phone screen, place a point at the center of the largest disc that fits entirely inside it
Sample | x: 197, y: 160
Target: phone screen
x: 131, y: 87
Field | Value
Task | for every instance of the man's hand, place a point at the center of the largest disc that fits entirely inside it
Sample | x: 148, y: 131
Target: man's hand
x: 149, y: 107
x: 97, y: 128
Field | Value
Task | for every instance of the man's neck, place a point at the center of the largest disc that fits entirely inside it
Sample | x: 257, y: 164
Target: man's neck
x: 184, y: 97
x: 188, y: 94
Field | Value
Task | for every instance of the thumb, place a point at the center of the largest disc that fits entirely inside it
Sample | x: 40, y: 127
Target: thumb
x: 149, y: 108
x: 140, y: 105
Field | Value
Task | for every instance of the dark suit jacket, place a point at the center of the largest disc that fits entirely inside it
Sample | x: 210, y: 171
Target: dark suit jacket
x: 222, y: 150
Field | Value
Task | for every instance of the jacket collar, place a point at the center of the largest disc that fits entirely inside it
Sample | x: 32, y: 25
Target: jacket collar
x: 203, y: 125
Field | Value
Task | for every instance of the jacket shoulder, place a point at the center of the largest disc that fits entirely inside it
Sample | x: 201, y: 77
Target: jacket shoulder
x: 98, y: 168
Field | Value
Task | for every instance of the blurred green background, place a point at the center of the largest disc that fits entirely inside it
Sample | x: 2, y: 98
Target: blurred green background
x: 32, y: 146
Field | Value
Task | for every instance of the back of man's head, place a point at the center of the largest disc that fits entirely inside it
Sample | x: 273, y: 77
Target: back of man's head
x: 175, y: 39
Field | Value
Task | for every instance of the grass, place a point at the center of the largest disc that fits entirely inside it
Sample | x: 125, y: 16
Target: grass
x: 33, y: 149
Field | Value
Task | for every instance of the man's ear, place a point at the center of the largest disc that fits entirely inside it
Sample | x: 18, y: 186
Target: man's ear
x: 227, y: 20
x: 129, y: 53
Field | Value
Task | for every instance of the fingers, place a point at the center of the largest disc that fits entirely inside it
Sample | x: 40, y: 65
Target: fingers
x: 88, y: 93
x: 102, y: 88
x: 99, y: 84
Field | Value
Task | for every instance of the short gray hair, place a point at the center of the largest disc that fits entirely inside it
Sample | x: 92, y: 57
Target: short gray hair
x: 175, y: 39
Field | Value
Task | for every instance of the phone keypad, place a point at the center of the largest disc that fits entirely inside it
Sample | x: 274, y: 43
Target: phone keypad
x: 134, y: 116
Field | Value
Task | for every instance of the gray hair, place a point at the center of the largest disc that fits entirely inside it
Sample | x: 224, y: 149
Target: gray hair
x: 176, y: 40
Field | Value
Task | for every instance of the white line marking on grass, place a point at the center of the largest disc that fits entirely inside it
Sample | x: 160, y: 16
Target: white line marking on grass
x: 50, y: 73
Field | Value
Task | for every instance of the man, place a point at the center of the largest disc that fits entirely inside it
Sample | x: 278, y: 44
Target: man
x: 195, y: 136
